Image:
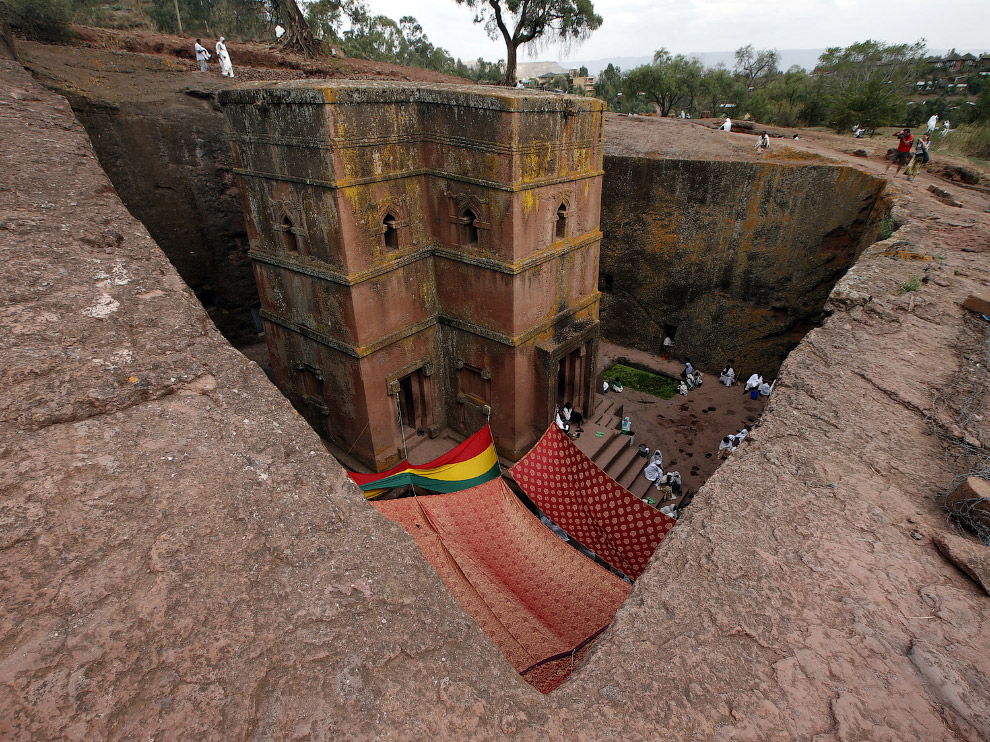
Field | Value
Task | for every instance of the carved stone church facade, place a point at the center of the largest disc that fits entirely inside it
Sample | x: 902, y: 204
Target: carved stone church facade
x: 426, y: 255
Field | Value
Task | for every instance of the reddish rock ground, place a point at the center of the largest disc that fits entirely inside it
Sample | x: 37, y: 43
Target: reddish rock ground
x: 180, y: 560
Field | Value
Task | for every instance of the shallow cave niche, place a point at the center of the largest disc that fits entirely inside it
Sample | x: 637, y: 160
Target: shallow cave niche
x: 469, y: 228
x: 391, y: 234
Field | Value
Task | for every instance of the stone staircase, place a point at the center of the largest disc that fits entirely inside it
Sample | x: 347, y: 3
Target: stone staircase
x: 612, y: 451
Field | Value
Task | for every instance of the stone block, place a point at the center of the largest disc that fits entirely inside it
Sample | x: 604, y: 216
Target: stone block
x: 971, y: 557
x: 979, y: 303
x: 944, y: 196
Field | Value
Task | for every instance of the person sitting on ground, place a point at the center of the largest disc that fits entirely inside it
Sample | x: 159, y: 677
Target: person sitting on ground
x: 573, y: 417
x: 763, y: 142
x: 726, y: 125
x: 741, y: 435
x: 561, y: 423
x: 726, y: 446
x: 605, y: 387
x: 728, y: 375
x: 688, y: 370
x: 671, y: 479
x: 682, y: 389
x: 698, y: 378
x: 654, y: 470
x: 670, y: 510
x: 617, y: 385
x: 753, y: 382
x: 765, y: 389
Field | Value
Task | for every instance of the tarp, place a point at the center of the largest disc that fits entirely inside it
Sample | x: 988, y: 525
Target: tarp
x: 589, y: 505
x: 541, y: 601
x: 470, y: 463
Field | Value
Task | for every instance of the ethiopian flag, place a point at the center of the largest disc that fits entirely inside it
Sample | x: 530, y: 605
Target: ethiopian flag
x: 469, y: 464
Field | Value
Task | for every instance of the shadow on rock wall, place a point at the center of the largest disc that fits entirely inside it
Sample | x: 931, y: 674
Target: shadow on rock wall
x: 738, y: 257
x: 171, y: 164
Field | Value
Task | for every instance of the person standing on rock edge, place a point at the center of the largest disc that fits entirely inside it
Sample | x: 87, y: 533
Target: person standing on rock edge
x: 201, y: 56
x: 226, y: 68
x: 903, y: 153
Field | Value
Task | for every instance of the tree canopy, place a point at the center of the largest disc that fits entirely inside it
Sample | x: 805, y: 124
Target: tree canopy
x: 520, y: 22
x: 869, y: 83
x: 669, y: 82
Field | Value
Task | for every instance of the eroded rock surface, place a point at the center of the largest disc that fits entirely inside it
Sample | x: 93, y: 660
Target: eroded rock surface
x: 181, y: 560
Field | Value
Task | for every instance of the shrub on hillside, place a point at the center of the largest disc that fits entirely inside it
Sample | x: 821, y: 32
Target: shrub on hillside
x: 968, y: 140
x: 41, y: 20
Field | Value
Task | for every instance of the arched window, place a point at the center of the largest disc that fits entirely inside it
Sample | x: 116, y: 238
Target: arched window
x: 561, y: 230
x: 469, y: 230
x: 290, y: 240
x: 391, y: 233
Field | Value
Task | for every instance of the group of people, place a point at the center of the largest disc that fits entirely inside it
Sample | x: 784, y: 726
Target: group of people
x: 667, y: 484
x: 731, y: 442
x: 756, y: 382
x: 223, y: 56
x: 690, y: 378
x: 911, y: 152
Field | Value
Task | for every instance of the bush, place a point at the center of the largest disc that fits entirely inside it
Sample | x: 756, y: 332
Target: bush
x: 41, y: 20
x: 969, y: 141
x: 887, y: 227
x: 912, y: 284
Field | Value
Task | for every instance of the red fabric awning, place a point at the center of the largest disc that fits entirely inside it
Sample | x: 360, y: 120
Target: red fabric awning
x: 540, y: 601
x: 591, y: 506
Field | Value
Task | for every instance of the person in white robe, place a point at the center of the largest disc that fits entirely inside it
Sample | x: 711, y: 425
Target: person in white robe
x: 560, y: 422
x: 726, y: 446
x: 726, y: 125
x: 728, y: 376
x: 201, y: 56
x: 754, y: 382
x: 741, y: 435
x: 653, y: 470
x: 226, y: 68
x: 765, y: 389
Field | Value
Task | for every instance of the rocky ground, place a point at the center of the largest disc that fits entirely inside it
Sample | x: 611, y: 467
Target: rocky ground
x: 180, y: 560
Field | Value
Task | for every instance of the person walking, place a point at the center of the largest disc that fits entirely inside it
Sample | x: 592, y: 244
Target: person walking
x: 201, y: 56
x: 920, y: 158
x: 903, y: 153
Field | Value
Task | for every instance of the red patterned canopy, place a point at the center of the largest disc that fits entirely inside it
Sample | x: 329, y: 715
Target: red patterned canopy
x: 591, y: 506
x: 540, y: 601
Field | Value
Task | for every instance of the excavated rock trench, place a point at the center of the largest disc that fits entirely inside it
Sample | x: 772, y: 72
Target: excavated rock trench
x: 736, y: 258
x: 179, y: 560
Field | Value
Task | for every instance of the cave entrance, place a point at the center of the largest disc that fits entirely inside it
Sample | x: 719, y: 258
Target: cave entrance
x: 412, y: 396
x: 572, y: 371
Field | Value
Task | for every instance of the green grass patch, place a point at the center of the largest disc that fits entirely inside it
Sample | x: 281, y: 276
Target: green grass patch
x: 657, y: 385
x: 887, y: 227
x: 912, y: 284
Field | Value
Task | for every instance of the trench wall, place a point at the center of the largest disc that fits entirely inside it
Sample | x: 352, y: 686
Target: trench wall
x: 739, y: 257
x: 170, y: 162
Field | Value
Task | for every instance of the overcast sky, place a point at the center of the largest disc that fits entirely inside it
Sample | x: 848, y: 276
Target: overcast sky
x: 639, y: 27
